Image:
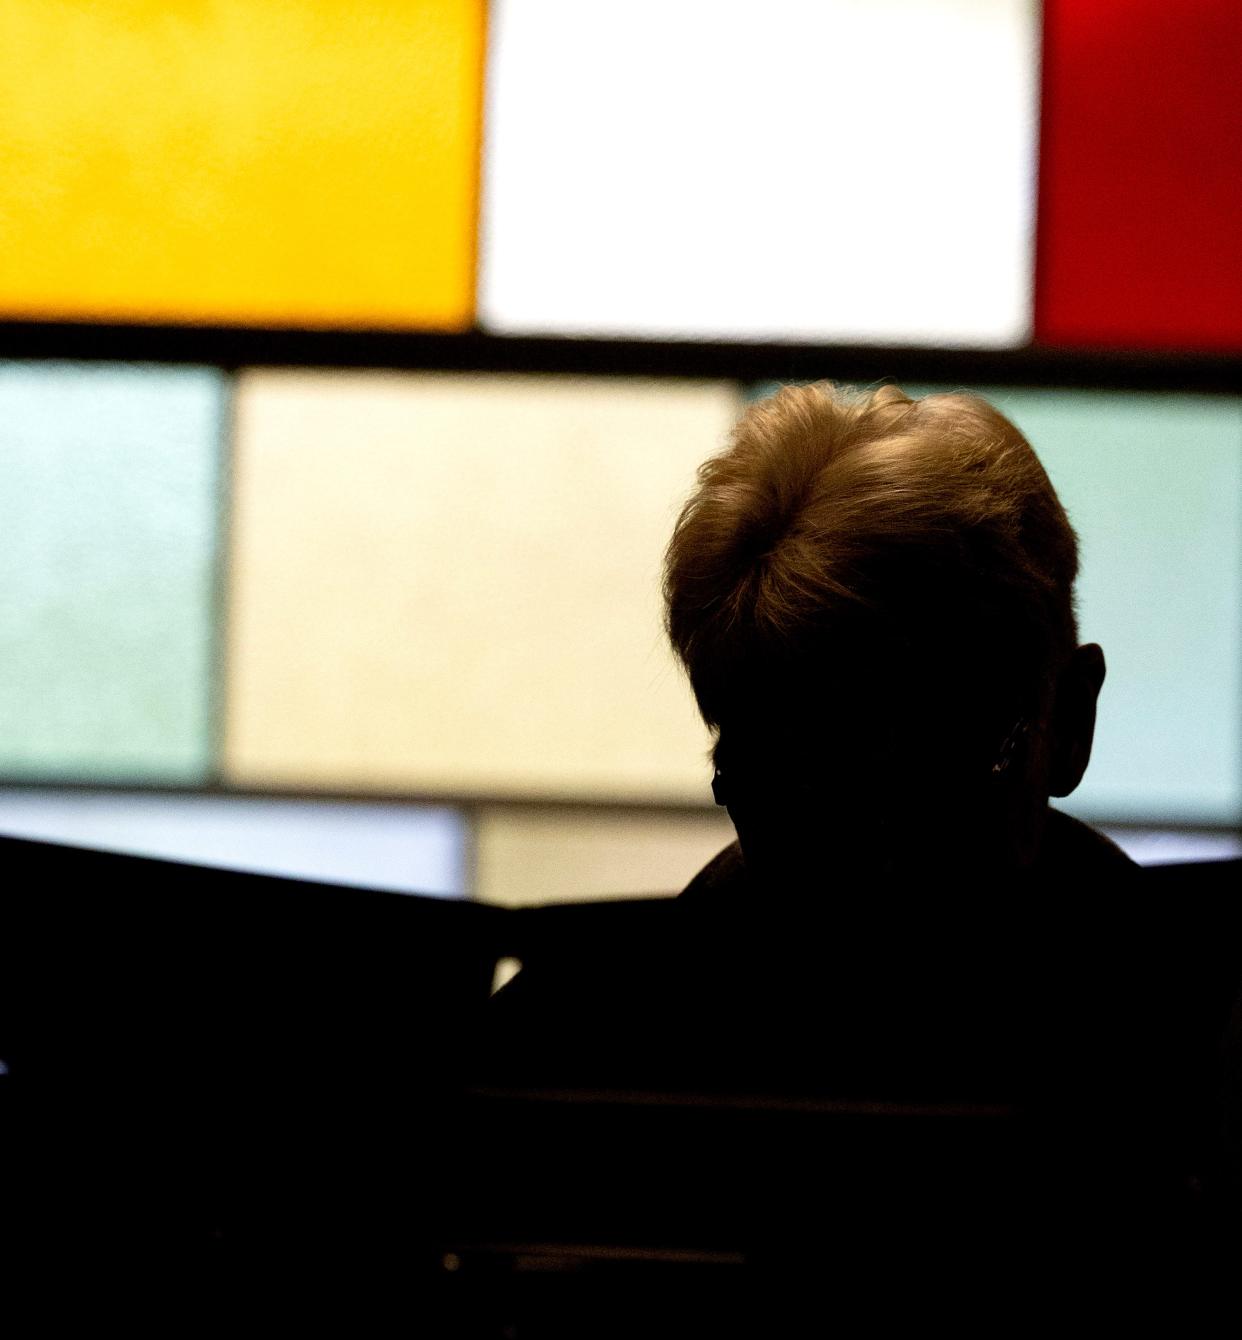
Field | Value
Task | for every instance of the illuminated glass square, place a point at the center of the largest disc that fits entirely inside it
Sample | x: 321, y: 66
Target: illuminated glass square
x: 450, y: 584
x: 108, y: 546
x: 839, y: 171
x: 244, y: 162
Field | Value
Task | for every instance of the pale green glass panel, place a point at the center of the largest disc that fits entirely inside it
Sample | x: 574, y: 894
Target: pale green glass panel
x: 1152, y: 483
x: 108, y: 542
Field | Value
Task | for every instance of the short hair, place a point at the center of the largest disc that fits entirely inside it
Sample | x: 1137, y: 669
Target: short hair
x: 844, y: 527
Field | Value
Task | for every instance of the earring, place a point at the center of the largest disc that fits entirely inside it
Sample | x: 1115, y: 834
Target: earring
x: 1007, y: 750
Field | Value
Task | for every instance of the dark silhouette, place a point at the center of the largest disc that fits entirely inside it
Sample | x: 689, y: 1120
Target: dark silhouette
x: 996, y: 1030
x: 874, y: 600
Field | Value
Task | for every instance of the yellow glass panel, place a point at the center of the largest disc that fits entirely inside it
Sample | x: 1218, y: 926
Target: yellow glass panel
x: 244, y: 161
x: 450, y: 584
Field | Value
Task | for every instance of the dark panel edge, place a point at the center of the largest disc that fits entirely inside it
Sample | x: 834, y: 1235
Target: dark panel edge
x: 476, y: 351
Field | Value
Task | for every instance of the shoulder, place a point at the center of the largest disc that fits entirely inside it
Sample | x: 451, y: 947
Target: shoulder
x: 1072, y: 848
x: 723, y: 876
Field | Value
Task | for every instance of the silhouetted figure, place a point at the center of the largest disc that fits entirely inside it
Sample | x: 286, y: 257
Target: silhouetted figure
x: 873, y: 598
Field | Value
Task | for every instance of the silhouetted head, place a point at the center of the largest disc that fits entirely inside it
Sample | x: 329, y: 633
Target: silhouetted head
x: 874, y: 599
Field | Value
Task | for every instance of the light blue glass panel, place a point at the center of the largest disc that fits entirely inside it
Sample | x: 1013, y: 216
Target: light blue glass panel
x: 108, y: 543
x: 1152, y: 483
x: 375, y: 845
x: 1153, y: 846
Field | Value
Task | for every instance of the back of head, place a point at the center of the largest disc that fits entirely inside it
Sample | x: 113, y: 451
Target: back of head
x: 861, y: 559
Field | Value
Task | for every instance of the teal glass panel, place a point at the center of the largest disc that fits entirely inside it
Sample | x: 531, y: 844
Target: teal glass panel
x: 108, y: 546
x: 1152, y: 483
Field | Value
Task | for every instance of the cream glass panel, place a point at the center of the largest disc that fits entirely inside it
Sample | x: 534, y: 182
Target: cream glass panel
x: 448, y: 584
x: 843, y: 170
x: 523, y: 857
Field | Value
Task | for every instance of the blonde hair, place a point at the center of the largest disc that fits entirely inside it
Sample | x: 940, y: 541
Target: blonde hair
x: 841, y: 523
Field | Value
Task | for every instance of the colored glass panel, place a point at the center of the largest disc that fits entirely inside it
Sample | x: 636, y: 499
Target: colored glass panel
x: 853, y: 170
x: 248, y: 161
x: 406, y: 848
x: 528, y: 856
x: 450, y: 584
x: 1140, y: 206
x: 1171, y: 847
x: 1153, y: 485
x: 108, y: 543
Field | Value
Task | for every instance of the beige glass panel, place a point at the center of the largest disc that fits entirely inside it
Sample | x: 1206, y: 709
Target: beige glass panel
x: 448, y: 584
x: 524, y: 857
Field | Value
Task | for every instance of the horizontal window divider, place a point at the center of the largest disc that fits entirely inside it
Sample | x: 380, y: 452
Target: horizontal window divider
x: 467, y: 800
x: 234, y: 348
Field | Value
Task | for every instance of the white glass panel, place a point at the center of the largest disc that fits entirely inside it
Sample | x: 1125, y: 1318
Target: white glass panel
x: 838, y: 170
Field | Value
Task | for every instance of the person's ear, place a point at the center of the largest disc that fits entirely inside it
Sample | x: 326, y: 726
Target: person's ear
x: 1073, y: 718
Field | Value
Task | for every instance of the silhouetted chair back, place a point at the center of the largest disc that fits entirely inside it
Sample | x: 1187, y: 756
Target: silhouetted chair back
x: 217, y: 1080
x: 980, y: 1095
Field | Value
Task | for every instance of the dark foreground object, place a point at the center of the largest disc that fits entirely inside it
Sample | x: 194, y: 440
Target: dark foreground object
x: 235, y: 1102
x: 226, y: 1099
x: 995, y: 1109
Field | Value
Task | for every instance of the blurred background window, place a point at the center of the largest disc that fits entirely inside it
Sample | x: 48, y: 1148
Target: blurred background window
x: 356, y: 361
